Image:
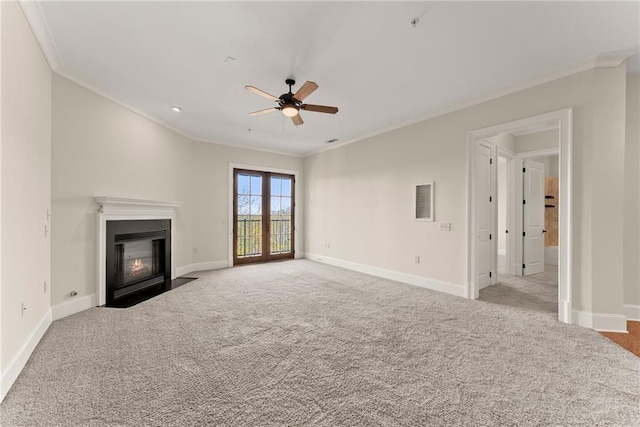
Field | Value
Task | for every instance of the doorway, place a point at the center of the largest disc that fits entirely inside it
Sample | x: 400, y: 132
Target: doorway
x: 477, y: 140
x: 263, y: 216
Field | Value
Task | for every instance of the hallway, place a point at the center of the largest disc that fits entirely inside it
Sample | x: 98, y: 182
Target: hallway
x: 537, y: 292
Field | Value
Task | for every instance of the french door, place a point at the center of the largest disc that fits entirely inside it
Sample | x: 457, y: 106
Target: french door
x: 263, y: 216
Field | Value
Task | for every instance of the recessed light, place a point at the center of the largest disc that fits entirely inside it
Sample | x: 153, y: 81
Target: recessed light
x: 176, y: 108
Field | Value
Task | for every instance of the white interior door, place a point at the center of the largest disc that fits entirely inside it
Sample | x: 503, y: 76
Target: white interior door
x: 483, y: 215
x: 533, y: 218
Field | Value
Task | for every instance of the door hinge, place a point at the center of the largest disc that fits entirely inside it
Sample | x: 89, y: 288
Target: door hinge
x: 489, y: 236
x: 490, y: 161
x: 524, y: 233
x: 523, y: 266
x: 524, y: 170
x: 524, y: 202
x: 506, y: 231
x: 489, y: 274
x: 490, y: 199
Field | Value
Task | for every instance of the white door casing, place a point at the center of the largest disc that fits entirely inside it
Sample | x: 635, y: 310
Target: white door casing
x: 533, y: 217
x: 562, y: 120
x: 483, y: 217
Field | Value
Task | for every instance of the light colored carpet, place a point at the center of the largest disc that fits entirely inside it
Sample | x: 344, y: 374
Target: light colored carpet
x: 536, y: 292
x: 301, y: 343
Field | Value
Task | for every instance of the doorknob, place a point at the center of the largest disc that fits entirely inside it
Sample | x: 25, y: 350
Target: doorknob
x: 544, y: 231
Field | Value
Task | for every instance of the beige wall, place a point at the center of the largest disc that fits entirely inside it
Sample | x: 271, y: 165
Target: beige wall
x: 537, y: 141
x: 551, y: 166
x: 359, y: 195
x: 606, y: 201
x: 103, y: 149
x: 632, y: 194
x: 504, y: 140
x: 26, y: 182
x: 210, y: 187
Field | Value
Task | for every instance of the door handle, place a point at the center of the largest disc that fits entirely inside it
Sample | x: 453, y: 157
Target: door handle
x: 543, y: 231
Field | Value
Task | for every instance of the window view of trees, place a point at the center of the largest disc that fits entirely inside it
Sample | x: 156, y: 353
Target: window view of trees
x: 280, y: 215
x: 249, y: 227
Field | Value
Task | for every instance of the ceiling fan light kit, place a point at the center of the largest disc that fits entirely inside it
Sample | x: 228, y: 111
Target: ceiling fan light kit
x: 289, y: 110
x: 290, y: 104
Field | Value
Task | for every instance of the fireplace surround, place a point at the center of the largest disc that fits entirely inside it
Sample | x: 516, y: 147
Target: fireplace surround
x: 138, y: 257
x: 115, y: 210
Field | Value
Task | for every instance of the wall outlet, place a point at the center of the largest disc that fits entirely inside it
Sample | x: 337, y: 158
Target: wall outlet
x: 445, y: 226
x: 417, y: 259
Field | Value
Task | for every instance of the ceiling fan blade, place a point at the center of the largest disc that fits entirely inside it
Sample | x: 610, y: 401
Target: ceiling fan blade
x: 265, y: 111
x: 319, y: 108
x: 260, y: 92
x: 297, y: 119
x: 307, y: 89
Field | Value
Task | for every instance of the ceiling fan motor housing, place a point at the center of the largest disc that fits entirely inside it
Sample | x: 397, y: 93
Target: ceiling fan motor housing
x: 288, y: 104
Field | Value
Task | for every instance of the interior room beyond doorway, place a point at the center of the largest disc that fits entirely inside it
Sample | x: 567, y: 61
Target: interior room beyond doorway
x: 526, y: 220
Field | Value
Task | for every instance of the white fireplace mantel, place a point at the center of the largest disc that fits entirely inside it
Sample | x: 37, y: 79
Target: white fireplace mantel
x: 121, y: 209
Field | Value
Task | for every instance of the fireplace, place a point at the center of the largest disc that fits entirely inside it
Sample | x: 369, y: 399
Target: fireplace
x: 138, y: 257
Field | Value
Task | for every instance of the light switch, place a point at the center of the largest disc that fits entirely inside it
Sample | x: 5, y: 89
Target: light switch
x: 445, y: 226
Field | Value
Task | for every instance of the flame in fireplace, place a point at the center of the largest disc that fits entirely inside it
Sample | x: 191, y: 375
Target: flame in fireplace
x: 137, y: 267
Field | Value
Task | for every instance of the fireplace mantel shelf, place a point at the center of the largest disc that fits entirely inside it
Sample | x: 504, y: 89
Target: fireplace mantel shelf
x: 119, y: 204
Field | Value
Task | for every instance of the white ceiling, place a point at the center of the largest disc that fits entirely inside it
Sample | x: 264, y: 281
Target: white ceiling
x: 365, y: 56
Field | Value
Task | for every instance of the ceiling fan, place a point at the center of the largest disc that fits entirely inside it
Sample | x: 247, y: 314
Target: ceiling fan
x: 291, y: 103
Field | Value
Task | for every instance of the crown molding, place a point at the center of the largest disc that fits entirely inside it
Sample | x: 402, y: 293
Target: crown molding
x: 35, y: 17
x: 38, y: 23
x: 612, y: 59
x: 245, y: 147
x: 605, y: 60
x: 67, y: 76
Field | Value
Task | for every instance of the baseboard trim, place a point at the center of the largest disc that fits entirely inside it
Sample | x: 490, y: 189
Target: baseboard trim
x: 602, y: 322
x: 632, y: 312
x: 423, y: 282
x: 74, y: 306
x: 201, y: 266
x: 20, y: 360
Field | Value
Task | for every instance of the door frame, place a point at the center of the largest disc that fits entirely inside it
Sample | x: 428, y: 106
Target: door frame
x: 511, y: 168
x: 562, y: 120
x: 296, y: 205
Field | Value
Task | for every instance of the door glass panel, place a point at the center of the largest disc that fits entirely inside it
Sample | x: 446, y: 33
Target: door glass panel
x: 280, y: 215
x: 276, y: 183
x: 286, y: 187
x: 249, y: 217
